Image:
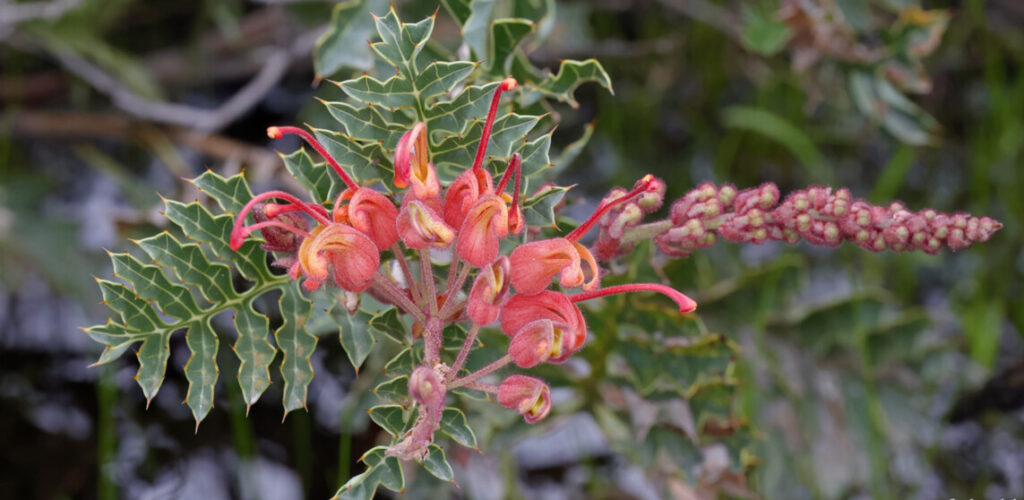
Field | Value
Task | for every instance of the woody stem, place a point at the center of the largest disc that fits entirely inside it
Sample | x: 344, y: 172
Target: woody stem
x: 410, y: 283
x: 464, y: 352
x: 427, y: 281
x: 487, y: 370
x: 392, y: 292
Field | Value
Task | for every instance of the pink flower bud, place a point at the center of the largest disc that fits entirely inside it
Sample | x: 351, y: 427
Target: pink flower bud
x: 534, y: 344
x: 463, y: 193
x: 426, y: 387
x: 535, y: 263
x: 412, y: 164
x: 529, y: 396
x: 490, y: 290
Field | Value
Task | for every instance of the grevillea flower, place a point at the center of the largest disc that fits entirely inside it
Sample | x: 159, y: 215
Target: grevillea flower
x: 481, y: 232
x: 564, y: 315
x: 529, y: 396
x: 340, y: 248
x: 412, y: 164
x: 490, y: 290
x: 276, y: 238
x: 421, y: 227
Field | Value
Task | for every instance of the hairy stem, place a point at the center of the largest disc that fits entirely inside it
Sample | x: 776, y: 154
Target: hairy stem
x: 487, y: 370
x: 393, y: 293
x: 464, y: 352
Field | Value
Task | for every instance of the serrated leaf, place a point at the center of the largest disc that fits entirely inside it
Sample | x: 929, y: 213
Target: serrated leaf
x: 254, y: 351
x: 453, y: 155
x: 401, y: 42
x: 539, y: 210
x: 343, y: 44
x: 152, y: 355
x: 230, y: 193
x: 536, y: 155
x: 369, y: 162
x: 437, y: 464
x: 201, y: 369
x: 573, y: 150
x: 198, y: 223
x: 440, y: 77
x: 403, y: 363
x: 391, y: 418
x: 317, y: 178
x: 393, y: 93
x: 380, y: 470
x: 367, y: 124
x: 506, y: 34
x: 135, y: 313
x: 455, y: 426
x: 454, y: 117
x: 355, y: 336
x: 297, y: 346
x: 191, y: 266
x: 150, y: 283
x: 570, y: 75
x: 459, y: 9
x: 390, y: 325
x: 396, y: 390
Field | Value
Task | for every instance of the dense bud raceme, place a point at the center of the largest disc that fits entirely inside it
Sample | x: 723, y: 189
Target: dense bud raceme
x: 819, y: 215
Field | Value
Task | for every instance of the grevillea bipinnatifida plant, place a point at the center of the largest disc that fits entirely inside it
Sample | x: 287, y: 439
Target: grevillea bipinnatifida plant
x: 424, y: 209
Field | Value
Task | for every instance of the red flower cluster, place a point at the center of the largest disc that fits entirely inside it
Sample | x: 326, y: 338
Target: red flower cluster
x: 469, y: 218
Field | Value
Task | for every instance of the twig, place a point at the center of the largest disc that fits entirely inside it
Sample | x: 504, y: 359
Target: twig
x: 13, y: 13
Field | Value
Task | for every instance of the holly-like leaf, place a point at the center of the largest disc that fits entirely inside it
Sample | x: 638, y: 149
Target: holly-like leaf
x: 343, y: 44
x: 539, y: 209
x: 403, y: 363
x: 390, y: 325
x: 506, y: 34
x: 570, y: 75
x: 437, y: 464
x: 355, y: 336
x: 201, y: 370
x: 455, y: 426
x: 391, y: 418
x: 317, y: 178
x: 395, y: 390
x: 381, y: 470
x: 297, y: 345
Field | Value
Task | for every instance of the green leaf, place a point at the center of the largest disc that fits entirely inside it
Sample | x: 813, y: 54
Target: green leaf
x: 403, y: 363
x: 370, y: 162
x: 367, y: 124
x: 784, y: 132
x: 380, y: 470
x: 395, y: 390
x: 474, y: 29
x: 390, y: 325
x: 573, y: 150
x: 459, y: 9
x: 452, y: 118
x: 150, y: 283
x: 355, y: 337
x: 201, y: 369
x: 191, y: 266
x: 231, y: 194
x: 152, y: 355
x: 401, y: 42
x: 297, y: 346
x: 437, y: 464
x: 506, y: 35
x: 343, y: 44
x: 254, y: 352
x: 439, y: 78
x: 317, y: 178
x: 135, y: 313
x: 453, y: 155
x: 391, y: 418
x: 572, y: 74
x: 198, y: 223
x: 455, y: 426
x: 536, y: 155
x: 539, y: 209
x: 393, y: 93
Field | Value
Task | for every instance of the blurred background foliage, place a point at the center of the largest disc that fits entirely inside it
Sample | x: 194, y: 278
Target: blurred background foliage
x: 809, y: 373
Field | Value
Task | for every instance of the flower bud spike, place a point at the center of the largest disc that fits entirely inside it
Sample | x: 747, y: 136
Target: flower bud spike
x: 237, y: 238
x: 485, y: 137
x: 685, y: 303
x: 279, y: 132
x: 644, y: 185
